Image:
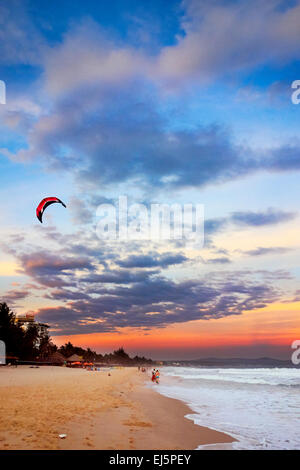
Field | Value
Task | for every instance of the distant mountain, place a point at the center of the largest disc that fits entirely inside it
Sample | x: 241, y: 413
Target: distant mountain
x: 234, y: 362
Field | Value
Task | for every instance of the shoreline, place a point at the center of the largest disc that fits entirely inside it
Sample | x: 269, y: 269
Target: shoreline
x: 95, y: 411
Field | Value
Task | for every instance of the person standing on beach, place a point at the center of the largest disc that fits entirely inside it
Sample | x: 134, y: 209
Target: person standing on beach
x: 157, y: 375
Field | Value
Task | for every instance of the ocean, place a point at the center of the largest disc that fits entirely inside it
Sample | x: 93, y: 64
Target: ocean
x: 260, y: 407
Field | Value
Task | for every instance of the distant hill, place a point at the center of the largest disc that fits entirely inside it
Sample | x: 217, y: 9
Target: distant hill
x: 234, y: 362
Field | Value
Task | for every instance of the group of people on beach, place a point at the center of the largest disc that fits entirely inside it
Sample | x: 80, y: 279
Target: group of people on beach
x: 155, y: 376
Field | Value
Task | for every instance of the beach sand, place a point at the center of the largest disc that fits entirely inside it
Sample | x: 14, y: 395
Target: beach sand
x: 95, y: 410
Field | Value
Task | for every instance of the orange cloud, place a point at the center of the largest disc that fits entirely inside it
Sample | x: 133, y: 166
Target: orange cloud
x: 275, y: 326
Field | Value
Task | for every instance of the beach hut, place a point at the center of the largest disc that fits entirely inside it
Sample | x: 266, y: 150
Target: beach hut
x: 56, y: 359
x: 75, y: 360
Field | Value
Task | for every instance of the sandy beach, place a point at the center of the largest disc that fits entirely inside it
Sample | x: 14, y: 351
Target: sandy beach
x: 95, y: 410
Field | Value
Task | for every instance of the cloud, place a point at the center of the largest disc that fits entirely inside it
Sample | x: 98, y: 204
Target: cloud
x: 212, y: 39
x: 220, y: 260
x: 151, y: 260
x: 52, y: 270
x: 13, y: 295
x: 106, y: 123
x: 285, y: 158
x: 80, y: 212
x: 106, y: 136
x: 270, y: 216
x: 132, y: 291
x: 225, y: 37
x: 296, y: 297
x: 86, y: 56
x: 121, y: 276
x: 277, y: 274
x: 156, y: 302
x: 43, y: 264
x: 257, y: 219
x: 215, y: 39
x: 261, y: 251
x: 103, y: 122
x: 215, y: 225
x: 112, y: 136
x: 21, y: 42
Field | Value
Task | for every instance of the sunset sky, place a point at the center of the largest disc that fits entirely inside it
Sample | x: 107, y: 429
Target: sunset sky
x: 164, y: 102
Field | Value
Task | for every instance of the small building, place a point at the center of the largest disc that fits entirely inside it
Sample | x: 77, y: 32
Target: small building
x: 75, y: 358
x: 55, y: 359
x: 25, y: 321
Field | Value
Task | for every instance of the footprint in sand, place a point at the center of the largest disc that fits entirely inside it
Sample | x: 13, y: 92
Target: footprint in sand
x: 88, y: 442
x: 140, y: 424
x: 131, y: 444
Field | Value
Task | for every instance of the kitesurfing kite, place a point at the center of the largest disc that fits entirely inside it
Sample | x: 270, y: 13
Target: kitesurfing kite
x: 47, y: 201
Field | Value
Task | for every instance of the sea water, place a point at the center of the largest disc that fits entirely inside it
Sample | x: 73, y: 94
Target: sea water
x: 259, y: 407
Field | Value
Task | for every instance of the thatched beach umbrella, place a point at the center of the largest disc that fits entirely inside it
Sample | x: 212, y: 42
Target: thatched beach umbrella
x: 75, y: 358
x: 56, y: 359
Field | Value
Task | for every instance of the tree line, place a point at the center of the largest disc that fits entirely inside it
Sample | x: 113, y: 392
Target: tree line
x: 34, y: 343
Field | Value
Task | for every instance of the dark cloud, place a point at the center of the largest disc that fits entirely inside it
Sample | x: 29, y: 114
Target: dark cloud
x: 13, y: 295
x: 52, y: 270
x: 66, y: 295
x: 256, y: 219
x: 121, y: 276
x: 105, y: 123
x: 156, y: 302
x: 114, y: 136
x: 215, y: 225
x: 107, y: 297
x: 43, y: 264
x: 153, y: 301
x: 286, y: 158
x: 151, y: 260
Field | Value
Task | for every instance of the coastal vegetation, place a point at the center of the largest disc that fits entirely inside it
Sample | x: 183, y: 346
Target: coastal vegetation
x: 32, y: 342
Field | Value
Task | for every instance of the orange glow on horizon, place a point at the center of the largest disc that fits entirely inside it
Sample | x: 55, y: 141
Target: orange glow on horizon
x: 276, y: 325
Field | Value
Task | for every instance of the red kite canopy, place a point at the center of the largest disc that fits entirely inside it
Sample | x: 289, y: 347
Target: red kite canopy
x: 44, y: 204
